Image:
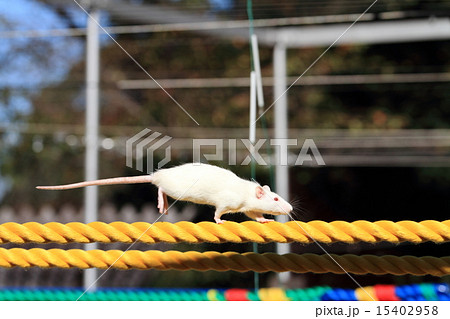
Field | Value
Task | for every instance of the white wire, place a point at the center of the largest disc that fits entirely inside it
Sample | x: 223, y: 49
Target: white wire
x: 190, y: 26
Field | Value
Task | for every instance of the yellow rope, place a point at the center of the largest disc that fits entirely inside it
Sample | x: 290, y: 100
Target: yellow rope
x: 272, y: 294
x: 366, y: 294
x: 336, y: 231
x: 212, y: 260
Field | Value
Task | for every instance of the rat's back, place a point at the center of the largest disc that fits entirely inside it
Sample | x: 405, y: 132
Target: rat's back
x: 198, y: 183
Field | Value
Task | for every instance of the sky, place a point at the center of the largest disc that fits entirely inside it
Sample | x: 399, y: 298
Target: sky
x: 23, y: 70
x: 29, y: 64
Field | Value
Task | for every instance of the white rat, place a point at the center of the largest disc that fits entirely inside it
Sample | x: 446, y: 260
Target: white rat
x: 204, y: 184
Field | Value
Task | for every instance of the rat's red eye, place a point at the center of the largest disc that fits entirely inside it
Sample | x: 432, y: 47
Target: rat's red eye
x: 276, y: 199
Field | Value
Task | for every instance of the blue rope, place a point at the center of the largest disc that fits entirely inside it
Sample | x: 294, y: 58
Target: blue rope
x: 415, y: 292
x: 340, y: 295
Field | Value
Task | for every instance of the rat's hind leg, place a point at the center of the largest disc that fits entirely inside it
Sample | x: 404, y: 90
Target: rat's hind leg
x: 259, y: 217
x: 163, y: 205
x: 218, y: 214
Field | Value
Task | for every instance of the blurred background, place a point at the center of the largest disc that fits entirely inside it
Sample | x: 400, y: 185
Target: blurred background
x: 378, y: 111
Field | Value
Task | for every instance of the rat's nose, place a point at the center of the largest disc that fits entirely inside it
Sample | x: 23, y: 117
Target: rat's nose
x: 287, y: 208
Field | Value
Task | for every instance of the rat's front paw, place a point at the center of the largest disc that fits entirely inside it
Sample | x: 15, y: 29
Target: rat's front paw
x: 264, y: 220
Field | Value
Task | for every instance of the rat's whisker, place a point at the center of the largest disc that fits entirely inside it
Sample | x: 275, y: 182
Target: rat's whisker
x: 299, y: 210
x: 295, y: 203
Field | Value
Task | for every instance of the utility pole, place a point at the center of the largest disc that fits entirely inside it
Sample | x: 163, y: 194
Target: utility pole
x: 281, y: 133
x: 91, y: 134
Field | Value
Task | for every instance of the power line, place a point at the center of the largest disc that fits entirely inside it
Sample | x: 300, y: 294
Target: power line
x: 191, y: 26
x: 329, y: 138
x: 307, y: 80
x: 238, y: 82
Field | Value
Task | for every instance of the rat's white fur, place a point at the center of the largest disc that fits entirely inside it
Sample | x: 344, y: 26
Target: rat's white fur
x: 219, y: 187
x: 206, y: 184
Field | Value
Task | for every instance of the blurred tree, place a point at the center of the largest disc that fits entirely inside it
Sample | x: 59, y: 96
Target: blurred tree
x: 27, y: 65
x: 50, y: 150
x: 57, y: 115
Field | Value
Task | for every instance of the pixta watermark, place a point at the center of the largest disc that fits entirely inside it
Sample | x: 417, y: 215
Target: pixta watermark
x: 147, y: 142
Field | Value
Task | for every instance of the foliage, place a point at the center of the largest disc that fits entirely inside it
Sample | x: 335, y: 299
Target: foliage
x: 48, y: 148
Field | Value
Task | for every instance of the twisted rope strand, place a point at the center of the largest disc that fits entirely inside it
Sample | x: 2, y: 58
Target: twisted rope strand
x: 336, y: 231
x: 425, y: 291
x: 211, y: 260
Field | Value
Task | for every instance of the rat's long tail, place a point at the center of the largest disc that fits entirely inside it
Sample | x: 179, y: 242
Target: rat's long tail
x: 107, y: 181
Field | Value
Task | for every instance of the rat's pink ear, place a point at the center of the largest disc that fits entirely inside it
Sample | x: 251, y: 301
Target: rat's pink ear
x: 259, y: 192
x: 266, y: 188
